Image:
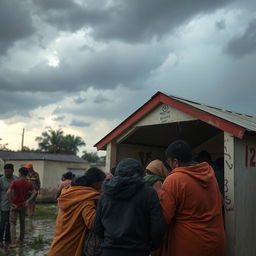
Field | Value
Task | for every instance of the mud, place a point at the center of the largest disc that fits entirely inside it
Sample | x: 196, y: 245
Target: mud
x: 39, y: 234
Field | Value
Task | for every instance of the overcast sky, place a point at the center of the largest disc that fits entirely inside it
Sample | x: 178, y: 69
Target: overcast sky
x: 85, y: 65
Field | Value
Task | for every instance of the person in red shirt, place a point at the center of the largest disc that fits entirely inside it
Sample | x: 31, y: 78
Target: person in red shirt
x: 18, y: 195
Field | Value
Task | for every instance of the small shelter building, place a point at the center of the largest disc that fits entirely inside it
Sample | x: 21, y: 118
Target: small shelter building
x: 146, y: 133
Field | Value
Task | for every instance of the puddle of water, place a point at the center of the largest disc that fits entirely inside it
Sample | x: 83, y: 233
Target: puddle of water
x: 39, y: 234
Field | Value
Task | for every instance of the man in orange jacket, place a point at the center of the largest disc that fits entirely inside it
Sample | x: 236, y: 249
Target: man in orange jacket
x: 192, y: 206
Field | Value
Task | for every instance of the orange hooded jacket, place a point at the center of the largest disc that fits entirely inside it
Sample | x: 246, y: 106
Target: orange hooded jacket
x: 192, y: 207
x: 77, y: 209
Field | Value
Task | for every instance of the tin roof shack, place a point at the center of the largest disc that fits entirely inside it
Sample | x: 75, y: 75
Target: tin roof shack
x: 49, y: 166
x: 147, y: 132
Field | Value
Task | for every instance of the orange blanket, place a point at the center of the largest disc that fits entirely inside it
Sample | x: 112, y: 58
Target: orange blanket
x: 77, y: 210
x: 192, y: 206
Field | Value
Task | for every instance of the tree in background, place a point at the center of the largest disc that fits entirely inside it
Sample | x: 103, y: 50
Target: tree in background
x: 54, y: 141
x: 3, y: 146
x: 71, y: 144
x: 91, y: 157
x: 28, y: 149
x: 50, y: 141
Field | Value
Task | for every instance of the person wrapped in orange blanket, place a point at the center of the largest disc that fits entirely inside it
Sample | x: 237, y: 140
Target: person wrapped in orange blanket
x: 192, y: 206
x: 77, y: 209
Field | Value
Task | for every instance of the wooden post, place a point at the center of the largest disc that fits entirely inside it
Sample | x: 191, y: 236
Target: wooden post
x: 229, y: 198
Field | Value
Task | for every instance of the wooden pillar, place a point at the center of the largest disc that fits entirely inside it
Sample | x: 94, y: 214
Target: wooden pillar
x: 229, y: 198
x: 111, y: 155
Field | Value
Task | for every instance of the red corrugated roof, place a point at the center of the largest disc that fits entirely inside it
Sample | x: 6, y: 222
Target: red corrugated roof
x: 161, y: 98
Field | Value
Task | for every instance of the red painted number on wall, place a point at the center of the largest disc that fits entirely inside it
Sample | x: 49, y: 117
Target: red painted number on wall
x: 250, y: 153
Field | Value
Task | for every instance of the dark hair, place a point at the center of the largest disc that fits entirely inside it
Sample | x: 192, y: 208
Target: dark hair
x: 129, y: 167
x: 180, y: 150
x: 204, y: 156
x: 68, y: 175
x: 23, y: 171
x: 8, y: 167
x: 220, y: 163
x: 91, y: 176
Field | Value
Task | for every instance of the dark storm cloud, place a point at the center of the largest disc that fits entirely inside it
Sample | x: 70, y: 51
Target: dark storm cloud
x: 141, y: 20
x: 130, y: 21
x: 100, y: 99
x: 19, y: 103
x: 243, y: 44
x: 121, y: 101
x: 56, y: 5
x: 79, y: 123
x: 15, y: 22
x: 117, y: 64
x: 221, y: 24
x: 79, y: 100
x: 70, y: 16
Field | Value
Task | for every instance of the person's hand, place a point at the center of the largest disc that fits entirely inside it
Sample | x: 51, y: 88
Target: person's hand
x: 157, y: 186
x: 26, y: 204
x: 14, y: 206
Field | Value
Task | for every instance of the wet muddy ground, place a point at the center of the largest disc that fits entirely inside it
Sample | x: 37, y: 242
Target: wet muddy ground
x: 39, y: 233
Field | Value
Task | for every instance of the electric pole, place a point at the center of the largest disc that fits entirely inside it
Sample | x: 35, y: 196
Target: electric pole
x: 22, y: 138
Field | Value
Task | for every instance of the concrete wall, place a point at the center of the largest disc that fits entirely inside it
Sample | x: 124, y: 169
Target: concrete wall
x: 245, y: 196
x: 37, y: 164
x: 52, y: 175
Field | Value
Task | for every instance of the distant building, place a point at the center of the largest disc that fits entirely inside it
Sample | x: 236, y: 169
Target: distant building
x: 49, y: 166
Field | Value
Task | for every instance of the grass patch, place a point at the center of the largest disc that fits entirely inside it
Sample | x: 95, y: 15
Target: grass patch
x: 38, y: 243
x: 45, y: 211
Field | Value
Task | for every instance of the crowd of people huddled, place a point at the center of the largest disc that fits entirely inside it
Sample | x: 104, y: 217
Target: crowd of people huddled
x: 170, y: 208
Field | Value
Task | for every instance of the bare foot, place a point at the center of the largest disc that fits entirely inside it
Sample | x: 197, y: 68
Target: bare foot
x: 11, y: 246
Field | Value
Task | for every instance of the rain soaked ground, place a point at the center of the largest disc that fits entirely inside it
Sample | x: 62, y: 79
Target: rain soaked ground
x: 39, y: 233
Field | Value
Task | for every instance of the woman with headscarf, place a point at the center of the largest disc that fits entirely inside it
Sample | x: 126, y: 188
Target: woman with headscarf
x: 77, y: 209
x: 156, y: 171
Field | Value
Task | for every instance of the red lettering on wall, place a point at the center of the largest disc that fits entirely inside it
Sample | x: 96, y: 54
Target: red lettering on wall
x: 252, y: 160
x: 250, y: 156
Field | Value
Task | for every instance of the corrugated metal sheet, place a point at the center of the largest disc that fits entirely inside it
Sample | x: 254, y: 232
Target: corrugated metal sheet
x: 245, y: 121
x: 10, y: 155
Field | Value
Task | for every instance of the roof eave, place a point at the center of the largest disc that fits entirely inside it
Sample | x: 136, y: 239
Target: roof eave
x: 161, y: 98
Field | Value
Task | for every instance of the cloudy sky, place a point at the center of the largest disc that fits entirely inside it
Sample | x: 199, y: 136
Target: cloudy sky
x: 85, y: 65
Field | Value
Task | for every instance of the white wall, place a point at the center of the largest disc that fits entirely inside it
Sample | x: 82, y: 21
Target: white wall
x: 52, y: 175
x: 38, y: 166
x: 54, y: 170
x: 245, y: 195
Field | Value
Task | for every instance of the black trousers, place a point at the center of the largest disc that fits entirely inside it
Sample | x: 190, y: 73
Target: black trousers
x: 5, y: 226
